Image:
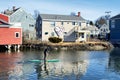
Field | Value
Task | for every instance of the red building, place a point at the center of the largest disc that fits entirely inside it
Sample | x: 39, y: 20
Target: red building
x: 9, y: 34
x: 4, y: 17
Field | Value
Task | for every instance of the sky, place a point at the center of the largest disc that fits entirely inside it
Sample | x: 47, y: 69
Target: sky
x: 89, y: 9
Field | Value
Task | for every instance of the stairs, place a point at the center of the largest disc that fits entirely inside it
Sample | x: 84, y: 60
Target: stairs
x: 70, y: 32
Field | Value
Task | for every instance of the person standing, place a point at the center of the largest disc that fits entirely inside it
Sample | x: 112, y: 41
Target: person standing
x: 45, y: 53
x: 45, y: 56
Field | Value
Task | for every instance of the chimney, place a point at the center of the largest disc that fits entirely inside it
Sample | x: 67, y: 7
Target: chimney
x: 78, y: 14
x: 14, y: 8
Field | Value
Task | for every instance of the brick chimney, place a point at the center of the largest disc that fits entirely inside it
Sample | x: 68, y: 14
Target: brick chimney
x: 78, y: 14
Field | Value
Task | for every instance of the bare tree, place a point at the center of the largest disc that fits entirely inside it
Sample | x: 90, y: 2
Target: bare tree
x: 36, y: 13
x: 100, y: 21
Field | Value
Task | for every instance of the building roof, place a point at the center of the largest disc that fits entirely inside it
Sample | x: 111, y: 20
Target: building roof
x: 116, y: 16
x: 92, y: 28
x: 10, y: 12
x: 4, y: 23
x: 61, y: 17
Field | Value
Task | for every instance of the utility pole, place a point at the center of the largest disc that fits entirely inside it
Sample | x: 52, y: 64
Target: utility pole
x: 107, y: 19
x: 108, y: 14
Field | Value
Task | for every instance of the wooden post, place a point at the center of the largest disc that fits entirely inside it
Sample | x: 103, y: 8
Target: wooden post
x: 9, y: 48
x: 15, y: 47
x: 18, y: 47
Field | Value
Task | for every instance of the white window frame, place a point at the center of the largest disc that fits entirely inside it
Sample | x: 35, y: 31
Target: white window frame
x: 52, y: 24
x: 113, y: 24
x: 62, y: 23
x: 16, y: 34
x: 73, y: 23
x: 79, y: 23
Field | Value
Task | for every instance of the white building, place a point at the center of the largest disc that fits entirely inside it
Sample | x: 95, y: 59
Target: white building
x: 68, y: 27
x: 104, y: 30
x: 94, y: 31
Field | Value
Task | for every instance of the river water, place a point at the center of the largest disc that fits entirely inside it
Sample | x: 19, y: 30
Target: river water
x: 69, y: 65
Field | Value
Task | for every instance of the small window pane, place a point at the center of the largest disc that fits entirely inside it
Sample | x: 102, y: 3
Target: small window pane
x: 62, y: 23
x: 73, y: 23
x: 46, y: 33
x: 52, y: 34
x: 17, y: 34
x: 113, y: 24
x: 82, y: 35
x: 52, y: 23
x: 79, y: 23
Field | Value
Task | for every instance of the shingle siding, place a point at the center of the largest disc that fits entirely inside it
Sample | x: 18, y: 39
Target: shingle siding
x: 115, y: 31
x: 24, y: 18
x: 27, y: 22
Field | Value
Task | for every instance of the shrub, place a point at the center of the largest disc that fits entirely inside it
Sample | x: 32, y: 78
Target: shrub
x: 55, y: 39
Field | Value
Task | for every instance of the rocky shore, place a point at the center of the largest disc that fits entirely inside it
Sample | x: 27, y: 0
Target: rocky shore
x: 69, y: 45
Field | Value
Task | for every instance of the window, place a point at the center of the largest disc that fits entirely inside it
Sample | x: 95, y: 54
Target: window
x: 17, y: 35
x: 46, y: 33
x: 113, y: 24
x: 62, y: 23
x: 40, y: 22
x: 31, y: 25
x: 65, y: 32
x: 52, y: 23
x: 73, y: 23
x: 76, y: 35
x: 82, y: 35
x: 52, y: 33
x: 76, y: 23
x: 113, y: 21
x: 106, y: 29
x: 79, y: 23
x: 91, y: 31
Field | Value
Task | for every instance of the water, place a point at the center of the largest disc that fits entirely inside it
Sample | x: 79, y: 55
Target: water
x: 72, y: 65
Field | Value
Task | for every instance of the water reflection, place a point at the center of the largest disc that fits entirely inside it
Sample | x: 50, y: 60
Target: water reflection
x: 61, y: 69
x: 114, y: 61
x: 15, y: 65
x: 69, y: 64
x: 8, y: 66
x: 72, y: 65
x: 16, y: 73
